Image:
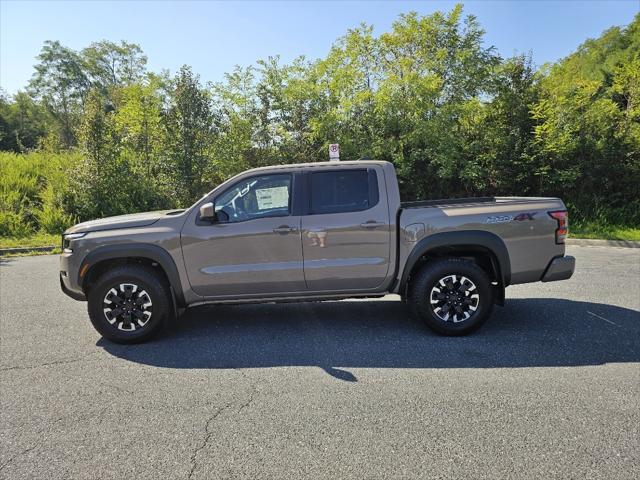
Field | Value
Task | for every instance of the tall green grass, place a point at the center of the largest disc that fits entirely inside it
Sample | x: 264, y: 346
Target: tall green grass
x: 600, y: 220
x: 33, y: 188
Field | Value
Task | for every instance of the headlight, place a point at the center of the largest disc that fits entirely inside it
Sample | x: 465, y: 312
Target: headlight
x: 66, y: 240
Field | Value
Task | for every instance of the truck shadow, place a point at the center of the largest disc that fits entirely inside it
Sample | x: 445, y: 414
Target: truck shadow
x: 336, y: 336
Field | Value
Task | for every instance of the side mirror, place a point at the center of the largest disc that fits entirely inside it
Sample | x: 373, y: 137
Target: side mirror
x: 207, y: 212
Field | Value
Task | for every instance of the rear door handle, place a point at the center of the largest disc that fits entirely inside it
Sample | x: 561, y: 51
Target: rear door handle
x: 284, y: 229
x: 372, y: 224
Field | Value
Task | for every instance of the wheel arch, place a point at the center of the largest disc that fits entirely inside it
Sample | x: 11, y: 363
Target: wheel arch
x: 103, y: 258
x: 485, y: 248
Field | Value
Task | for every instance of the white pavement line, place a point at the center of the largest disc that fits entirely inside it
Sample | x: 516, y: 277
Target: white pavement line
x: 602, y: 318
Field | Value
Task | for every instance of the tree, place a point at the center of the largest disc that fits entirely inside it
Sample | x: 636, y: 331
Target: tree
x: 110, y: 64
x: 402, y: 96
x: 61, y: 84
x: 587, y: 131
x: 23, y: 123
x: 138, y: 121
x: 109, y: 181
x: 345, y: 86
x: 287, y: 105
x: 97, y: 131
x: 427, y: 95
x: 8, y: 141
x: 498, y: 134
x: 239, y: 138
x: 189, y: 129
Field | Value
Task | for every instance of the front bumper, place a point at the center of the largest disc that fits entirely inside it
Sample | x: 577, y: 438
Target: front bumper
x: 560, y: 268
x: 75, y: 295
x: 69, y: 276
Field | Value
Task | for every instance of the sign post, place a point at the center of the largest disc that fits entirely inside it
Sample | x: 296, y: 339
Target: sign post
x: 334, y: 152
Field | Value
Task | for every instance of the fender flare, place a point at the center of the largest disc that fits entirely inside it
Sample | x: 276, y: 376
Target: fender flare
x: 141, y: 250
x: 468, y: 238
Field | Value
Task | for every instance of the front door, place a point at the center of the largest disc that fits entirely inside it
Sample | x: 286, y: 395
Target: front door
x: 346, y: 232
x: 254, y: 246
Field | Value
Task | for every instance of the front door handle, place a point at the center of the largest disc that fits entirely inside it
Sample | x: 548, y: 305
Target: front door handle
x: 284, y: 229
x: 372, y: 224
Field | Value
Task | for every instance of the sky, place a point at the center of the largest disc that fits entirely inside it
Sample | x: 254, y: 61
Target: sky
x: 213, y: 36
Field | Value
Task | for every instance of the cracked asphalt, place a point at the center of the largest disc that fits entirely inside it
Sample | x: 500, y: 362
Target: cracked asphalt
x: 549, y: 388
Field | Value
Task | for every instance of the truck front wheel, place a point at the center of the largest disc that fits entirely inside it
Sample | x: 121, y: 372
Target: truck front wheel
x: 453, y: 296
x: 129, y: 304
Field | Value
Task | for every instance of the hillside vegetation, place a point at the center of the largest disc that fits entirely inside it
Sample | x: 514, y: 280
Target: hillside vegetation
x: 95, y: 133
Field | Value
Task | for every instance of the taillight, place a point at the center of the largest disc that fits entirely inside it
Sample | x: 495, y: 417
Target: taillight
x: 562, y: 217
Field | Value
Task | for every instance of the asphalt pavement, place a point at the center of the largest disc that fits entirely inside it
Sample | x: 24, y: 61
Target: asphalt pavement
x: 549, y: 388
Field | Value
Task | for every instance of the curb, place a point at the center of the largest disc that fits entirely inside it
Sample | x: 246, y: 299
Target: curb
x: 602, y: 243
x: 6, y: 251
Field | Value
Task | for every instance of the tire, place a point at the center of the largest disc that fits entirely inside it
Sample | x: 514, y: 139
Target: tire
x: 453, y: 296
x: 129, y: 304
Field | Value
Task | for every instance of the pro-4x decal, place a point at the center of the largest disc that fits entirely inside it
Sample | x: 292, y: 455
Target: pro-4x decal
x: 521, y: 217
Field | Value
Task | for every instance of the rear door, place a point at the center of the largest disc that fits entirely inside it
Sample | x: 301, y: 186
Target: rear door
x: 346, y: 229
x: 254, y: 248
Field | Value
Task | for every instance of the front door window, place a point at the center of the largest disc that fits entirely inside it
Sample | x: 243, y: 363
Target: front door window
x: 256, y: 197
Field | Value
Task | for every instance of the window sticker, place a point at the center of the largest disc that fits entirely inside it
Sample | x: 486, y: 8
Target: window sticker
x: 276, y: 197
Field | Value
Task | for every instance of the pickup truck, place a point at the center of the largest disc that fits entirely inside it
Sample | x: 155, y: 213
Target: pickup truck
x: 310, y: 232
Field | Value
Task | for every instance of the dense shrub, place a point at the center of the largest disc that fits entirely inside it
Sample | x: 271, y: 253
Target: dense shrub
x: 13, y: 224
x: 32, y: 191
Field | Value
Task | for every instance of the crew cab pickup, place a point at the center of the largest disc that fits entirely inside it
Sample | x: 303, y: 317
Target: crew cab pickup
x: 316, y: 231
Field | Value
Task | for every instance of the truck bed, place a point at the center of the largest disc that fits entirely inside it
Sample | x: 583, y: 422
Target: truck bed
x: 523, y: 224
x: 472, y: 201
x: 447, y: 201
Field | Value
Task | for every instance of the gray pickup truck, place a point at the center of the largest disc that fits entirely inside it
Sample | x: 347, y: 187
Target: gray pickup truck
x: 317, y: 231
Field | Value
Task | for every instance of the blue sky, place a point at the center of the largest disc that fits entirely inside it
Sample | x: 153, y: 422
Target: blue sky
x: 212, y: 37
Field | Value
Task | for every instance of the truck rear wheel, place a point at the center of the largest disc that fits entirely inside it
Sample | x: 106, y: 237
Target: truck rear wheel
x: 453, y: 296
x: 129, y: 304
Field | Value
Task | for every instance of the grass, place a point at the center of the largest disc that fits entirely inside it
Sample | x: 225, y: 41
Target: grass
x: 33, y: 253
x: 606, y: 232
x: 36, y: 240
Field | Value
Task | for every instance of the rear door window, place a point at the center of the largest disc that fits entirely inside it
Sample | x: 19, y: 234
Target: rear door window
x: 343, y: 191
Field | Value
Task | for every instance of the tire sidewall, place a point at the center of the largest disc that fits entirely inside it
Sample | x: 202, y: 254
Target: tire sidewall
x: 145, y: 279
x: 430, y: 276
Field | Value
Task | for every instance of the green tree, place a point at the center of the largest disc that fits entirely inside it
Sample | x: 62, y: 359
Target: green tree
x: 239, y: 139
x: 189, y: 125
x: 108, y: 182
x: 94, y: 190
x: 30, y: 122
x: 346, y: 87
x: 138, y: 121
x: 587, y: 131
x: 8, y: 134
x: 402, y: 96
x: 427, y: 95
x: 498, y: 134
x: 109, y: 64
x: 287, y: 105
x: 61, y: 84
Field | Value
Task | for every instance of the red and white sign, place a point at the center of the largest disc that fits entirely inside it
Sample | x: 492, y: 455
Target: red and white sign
x: 334, y: 152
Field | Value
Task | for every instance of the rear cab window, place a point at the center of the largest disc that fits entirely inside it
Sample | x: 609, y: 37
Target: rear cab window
x: 340, y: 191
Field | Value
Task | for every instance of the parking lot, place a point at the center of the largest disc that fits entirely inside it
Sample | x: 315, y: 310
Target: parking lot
x: 550, y: 387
